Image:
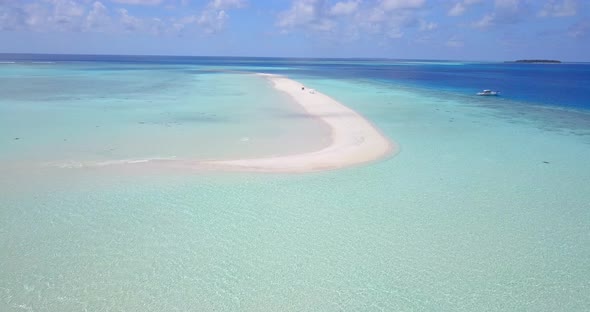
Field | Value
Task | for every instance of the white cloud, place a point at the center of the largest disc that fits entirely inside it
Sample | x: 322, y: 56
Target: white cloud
x: 307, y: 14
x: 139, y: 2
x: 95, y: 16
x: 67, y: 8
x: 67, y: 15
x: 227, y: 4
x: 36, y: 17
x: 346, y: 19
x: 301, y: 12
x: 505, y: 12
x: 130, y: 23
x: 486, y: 21
x: 461, y: 6
x: 457, y: 10
x: 559, y: 8
x: 212, y: 21
x: 374, y: 15
x: 389, y: 5
x: 180, y: 24
x: 49, y: 15
x: 214, y: 17
x: 344, y: 8
x: 98, y: 18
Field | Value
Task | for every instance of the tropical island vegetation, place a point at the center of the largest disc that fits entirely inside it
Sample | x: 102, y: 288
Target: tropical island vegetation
x: 537, y: 61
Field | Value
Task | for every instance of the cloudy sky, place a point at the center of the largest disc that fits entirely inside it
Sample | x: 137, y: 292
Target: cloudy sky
x: 419, y: 29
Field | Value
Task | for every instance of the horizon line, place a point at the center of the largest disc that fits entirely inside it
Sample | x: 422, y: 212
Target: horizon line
x: 264, y: 57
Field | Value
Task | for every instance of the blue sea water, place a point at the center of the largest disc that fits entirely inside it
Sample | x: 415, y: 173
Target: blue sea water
x: 486, y: 207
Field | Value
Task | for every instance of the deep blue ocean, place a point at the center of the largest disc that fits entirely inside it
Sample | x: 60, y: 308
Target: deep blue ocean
x: 564, y: 85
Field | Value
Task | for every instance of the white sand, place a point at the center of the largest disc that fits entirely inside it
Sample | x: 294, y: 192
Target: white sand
x: 354, y: 139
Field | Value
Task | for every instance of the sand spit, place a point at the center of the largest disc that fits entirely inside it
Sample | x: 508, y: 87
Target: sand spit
x: 354, y: 140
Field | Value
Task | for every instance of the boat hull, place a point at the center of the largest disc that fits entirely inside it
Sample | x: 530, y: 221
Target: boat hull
x: 488, y: 93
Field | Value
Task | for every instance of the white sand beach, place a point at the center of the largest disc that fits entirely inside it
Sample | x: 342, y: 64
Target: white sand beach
x: 354, y: 140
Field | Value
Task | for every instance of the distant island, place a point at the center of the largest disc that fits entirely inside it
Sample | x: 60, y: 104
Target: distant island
x: 538, y: 61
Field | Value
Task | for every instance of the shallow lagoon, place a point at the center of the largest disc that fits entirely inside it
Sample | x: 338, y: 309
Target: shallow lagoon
x: 485, y: 207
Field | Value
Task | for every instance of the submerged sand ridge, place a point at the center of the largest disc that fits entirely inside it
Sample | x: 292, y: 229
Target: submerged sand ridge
x: 354, y: 140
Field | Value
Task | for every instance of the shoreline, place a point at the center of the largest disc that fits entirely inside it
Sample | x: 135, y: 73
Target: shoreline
x: 354, y: 140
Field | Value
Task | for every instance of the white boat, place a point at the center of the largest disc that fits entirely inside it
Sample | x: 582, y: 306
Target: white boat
x: 488, y: 92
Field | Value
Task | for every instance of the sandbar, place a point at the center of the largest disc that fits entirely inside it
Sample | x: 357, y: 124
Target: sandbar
x: 354, y: 140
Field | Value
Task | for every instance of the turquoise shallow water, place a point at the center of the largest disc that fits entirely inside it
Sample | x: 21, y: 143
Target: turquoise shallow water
x: 484, y: 209
x: 93, y: 113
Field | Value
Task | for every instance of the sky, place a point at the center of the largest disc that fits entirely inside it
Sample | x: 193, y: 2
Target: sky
x: 484, y: 30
